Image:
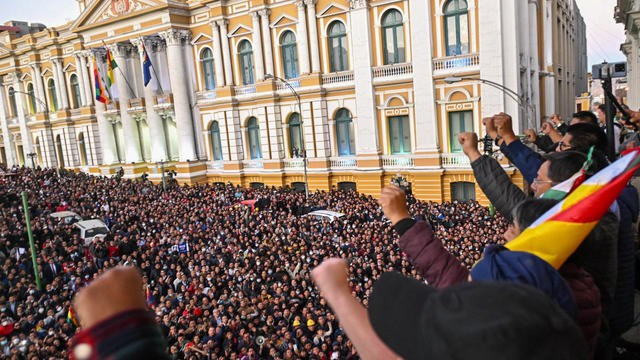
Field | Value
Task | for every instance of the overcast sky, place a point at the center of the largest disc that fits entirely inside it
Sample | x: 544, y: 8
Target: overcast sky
x: 604, y: 36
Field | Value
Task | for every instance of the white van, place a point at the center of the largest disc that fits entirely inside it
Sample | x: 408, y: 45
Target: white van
x: 325, y: 214
x: 68, y: 216
x: 90, y: 229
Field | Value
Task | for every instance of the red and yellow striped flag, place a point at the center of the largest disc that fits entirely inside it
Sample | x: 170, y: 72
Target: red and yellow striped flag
x: 558, y: 233
x: 71, y: 317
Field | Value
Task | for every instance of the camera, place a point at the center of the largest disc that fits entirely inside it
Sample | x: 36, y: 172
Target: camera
x: 487, y: 144
x: 402, y: 183
x: 609, y: 70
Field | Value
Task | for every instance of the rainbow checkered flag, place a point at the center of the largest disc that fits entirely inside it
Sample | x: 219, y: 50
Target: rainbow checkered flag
x: 558, y: 233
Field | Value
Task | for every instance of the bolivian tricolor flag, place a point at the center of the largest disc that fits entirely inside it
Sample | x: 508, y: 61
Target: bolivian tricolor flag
x: 101, y: 95
x: 559, y: 232
x: 71, y: 317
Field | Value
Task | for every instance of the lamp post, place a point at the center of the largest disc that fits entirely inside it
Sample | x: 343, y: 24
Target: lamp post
x: 13, y: 91
x: 164, y: 182
x: 31, y: 156
x: 511, y: 93
x: 304, y: 147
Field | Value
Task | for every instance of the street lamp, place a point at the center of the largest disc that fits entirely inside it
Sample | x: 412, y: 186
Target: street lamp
x: 304, y: 147
x: 12, y: 91
x: 512, y: 94
x: 164, y: 183
x: 31, y: 156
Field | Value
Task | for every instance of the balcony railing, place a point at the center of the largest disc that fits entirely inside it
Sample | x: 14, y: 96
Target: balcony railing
x: 344, y: 163
x: 393, y: 70
x: 295, y: 163
x: 455, y: 160
x: 206, y: 95
x: 215, y: 165
x: 397, y: 161
x: 245, y: 89
x: 294, y: 84
x: 455, y: 62
x: 253, y: 164
x: 338, y: 77
x: 74, y: 112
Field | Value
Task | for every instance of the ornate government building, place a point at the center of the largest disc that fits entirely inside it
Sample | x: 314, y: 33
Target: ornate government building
x: 241, y: 89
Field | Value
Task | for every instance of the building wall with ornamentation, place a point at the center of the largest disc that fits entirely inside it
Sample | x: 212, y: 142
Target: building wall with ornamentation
x: 241, y: 89
x: 627, y: 12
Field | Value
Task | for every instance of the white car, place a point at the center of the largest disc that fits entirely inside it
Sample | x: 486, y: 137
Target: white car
x: 90, y: 229
x: 325, y: 214
x: 68, y: 216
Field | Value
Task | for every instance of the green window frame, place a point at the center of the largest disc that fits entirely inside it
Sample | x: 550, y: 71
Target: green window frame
x: 393, y: 40
x: 51, y: 85
x: 216, y: 143
x: 75, y: 91
x: 32, y: 98
x: 253, y: 137
x: 289, y: 50
x: 399, y: 135
x: 295, y: 134
x: 12, y: 102
x: 344, y: 133
x: 245, y: 53
x: 338, y: 50
x: 459, y: 122
x: 206, y: 62
x: 456, y: 27
x: 463, y: 191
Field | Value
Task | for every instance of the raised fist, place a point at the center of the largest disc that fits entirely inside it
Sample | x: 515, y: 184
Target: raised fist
x: 331, y: 276
x: 394, y: 204
x: 490, y: 127
x: 531, y: 135
x: 469, y: 142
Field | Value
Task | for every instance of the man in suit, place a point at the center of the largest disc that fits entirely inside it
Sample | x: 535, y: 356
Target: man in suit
x: 51, y: 270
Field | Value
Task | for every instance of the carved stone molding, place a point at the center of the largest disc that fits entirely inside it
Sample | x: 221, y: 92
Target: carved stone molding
x: 175, y: 37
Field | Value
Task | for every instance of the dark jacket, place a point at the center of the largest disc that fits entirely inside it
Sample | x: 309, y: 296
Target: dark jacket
x: 525, y: 159
x: 598, y: 252
x: 441, y: 269
x: 545, y: 143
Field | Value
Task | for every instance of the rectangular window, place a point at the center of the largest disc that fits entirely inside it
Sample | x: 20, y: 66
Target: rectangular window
x: 464, y: 34
x: 459, y: 122
x: 399, y: 135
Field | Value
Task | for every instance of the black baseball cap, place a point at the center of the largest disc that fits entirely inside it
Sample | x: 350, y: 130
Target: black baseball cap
x: 474, y: 320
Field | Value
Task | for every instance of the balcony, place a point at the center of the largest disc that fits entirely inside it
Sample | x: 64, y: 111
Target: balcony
x: 113, y: 106
x: 295, y: 163
x: 245, y: 89
x: 294, y: 84
x: 397, y: 161
x: 455, y: 161
x: 453, y: 64
x: 215, y: 165
x: 344, y: 163
x: 337, y: 78
x: 253, y: 164
x: 393, y: 71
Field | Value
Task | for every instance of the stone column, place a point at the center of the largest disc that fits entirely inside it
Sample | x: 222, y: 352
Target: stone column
x: 156, y: 131
x: 121, y: 53
x: 58, y: 82
x: 303, y: 43
x: 86, y: 78
x: 27, y: 143
x: 180, y: 88
x: 366, y: 116
x: 217, y: 55
x: 36, y: 75
x: 105, y: 129
x: 257, y: 46
x: 64, y: 98
x: 426, y: 117
x: 313, y: 36
x: 226, y: 53
x: 9, y: 148
x: 81, y: 65
x: 266, y: 33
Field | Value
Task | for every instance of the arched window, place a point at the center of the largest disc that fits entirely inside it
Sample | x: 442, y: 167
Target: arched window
x: 12, y: 102
x: 245, y: 53
x: 289, y: 51
x: 206, y: 58
x: 295, y: 135
x: 253, y: 136
x: 83, y: 149
x: 51, y: 85
x: 338, y: 47
x: 32, y: 98
x: 456, y: 27
x: 399, y: 135
x: 216, y: 145
x: 75, y: 91
x: 344, y: 133
x: 393, y: 37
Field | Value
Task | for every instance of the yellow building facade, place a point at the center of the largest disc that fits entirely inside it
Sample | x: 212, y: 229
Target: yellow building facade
x: 241, y: 89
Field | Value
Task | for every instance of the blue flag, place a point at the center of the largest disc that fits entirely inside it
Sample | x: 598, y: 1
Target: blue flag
x: 146, y: 66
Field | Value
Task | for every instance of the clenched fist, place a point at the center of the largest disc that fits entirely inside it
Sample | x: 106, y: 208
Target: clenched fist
x: 394, y: 204
x: 331, y: 277
x: 490, y: 127
x: 505, y: 127
x: 531, y: 135
x: 469, y: 142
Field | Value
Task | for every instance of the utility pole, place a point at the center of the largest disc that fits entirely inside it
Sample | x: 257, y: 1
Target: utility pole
x: 32, y: 247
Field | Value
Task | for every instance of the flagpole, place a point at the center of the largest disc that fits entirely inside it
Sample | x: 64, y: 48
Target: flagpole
x: 133, y: 93
x: 154, y: 69
x: 25, y: 206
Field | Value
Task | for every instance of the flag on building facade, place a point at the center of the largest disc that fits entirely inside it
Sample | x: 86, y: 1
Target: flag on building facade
x: 558, y: 233
x: 146, y: 66
x: 71, y: 317
x: 111, y: 64
x: 101, y: 94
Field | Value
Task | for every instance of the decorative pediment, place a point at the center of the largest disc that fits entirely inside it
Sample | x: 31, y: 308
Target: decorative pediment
x: 4, y: 50
x: 25, y: 76
x: 332, y: 9
x: 201, y: 38
x: 102, y: 11
x: 69, y: 67
x: 240, y: 30
x: 283, y: 20
x: 47, y: 72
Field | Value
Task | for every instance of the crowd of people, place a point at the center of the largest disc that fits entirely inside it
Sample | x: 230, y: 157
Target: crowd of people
x: 224, y: 281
